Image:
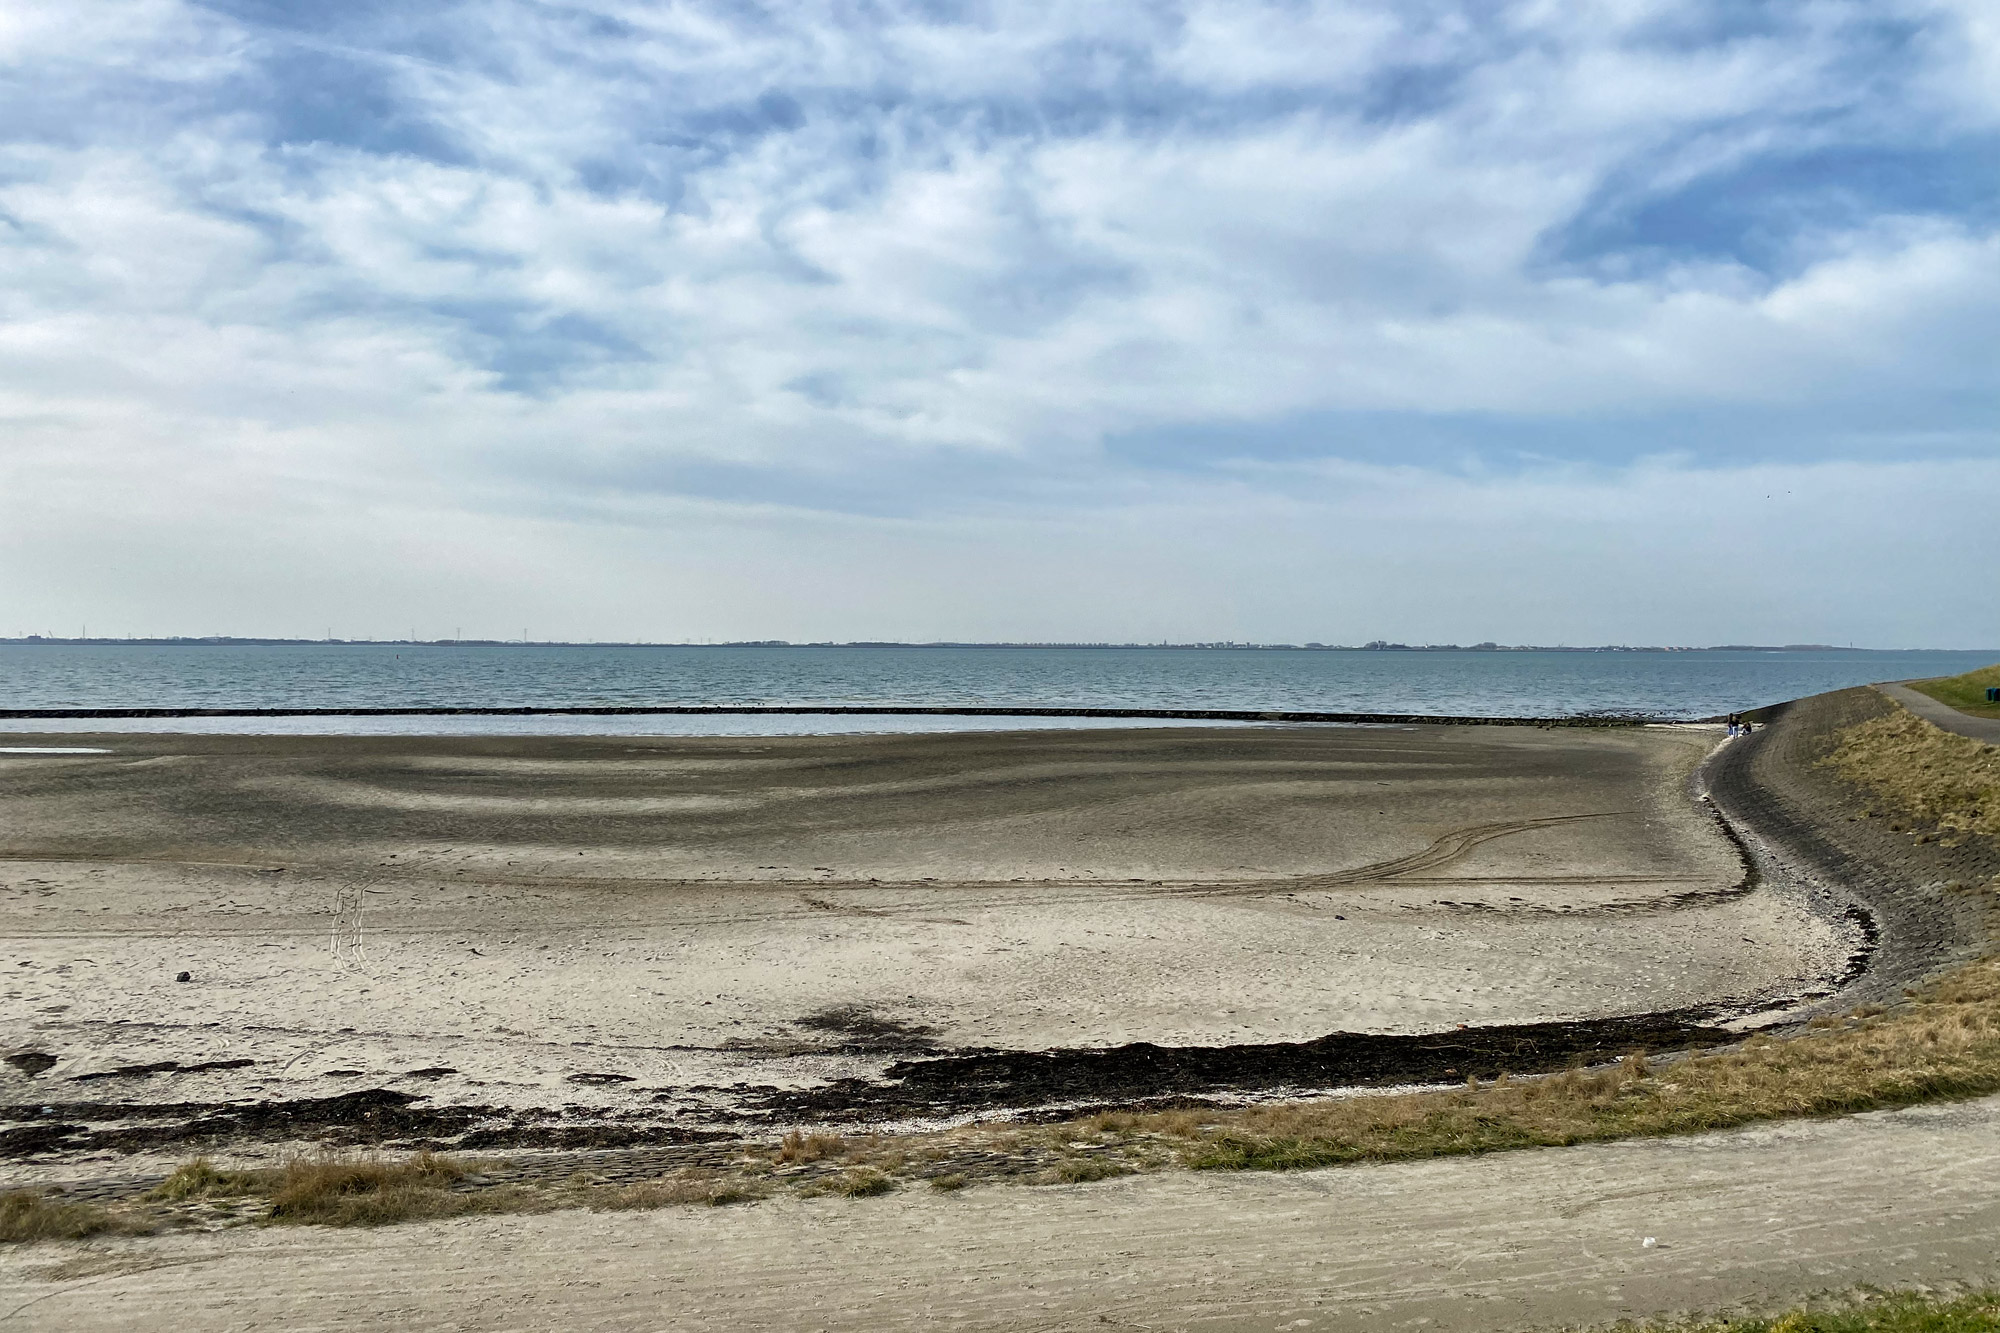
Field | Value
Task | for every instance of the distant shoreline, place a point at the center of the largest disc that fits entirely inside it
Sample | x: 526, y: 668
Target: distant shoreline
x: 227, y: 641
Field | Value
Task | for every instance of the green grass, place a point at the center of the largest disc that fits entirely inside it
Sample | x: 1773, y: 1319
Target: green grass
x: 1966, y: 693
x: 1867, y: 1312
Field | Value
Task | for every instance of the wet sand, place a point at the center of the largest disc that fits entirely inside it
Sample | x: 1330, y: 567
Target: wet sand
x: 689, y: 935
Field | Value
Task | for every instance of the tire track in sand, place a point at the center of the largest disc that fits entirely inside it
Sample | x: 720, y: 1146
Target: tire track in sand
x: 1446, y: 849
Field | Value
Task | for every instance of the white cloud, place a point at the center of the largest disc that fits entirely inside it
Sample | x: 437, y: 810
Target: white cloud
x: 534, y: 270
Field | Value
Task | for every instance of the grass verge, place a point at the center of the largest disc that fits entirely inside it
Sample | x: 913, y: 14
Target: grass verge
x: 334, y: 1190
x: 1864, y: 1312
x: 202, y: 1179
x: 1942, y: 1043
x: 368, y: 1192
x: 1966, y: 693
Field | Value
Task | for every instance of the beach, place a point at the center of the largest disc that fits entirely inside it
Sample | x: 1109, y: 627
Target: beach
x: 610, y: 941
x: 622, y: 980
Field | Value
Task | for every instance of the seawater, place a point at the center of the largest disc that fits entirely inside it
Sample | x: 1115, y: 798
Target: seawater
x: 1500, y: 684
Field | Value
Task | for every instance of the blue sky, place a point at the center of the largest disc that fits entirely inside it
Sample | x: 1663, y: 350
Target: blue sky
x: 1652, y: 322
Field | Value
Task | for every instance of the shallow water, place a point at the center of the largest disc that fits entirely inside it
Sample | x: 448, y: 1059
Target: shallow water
x: 1500, y: 684
x: 582, y: 724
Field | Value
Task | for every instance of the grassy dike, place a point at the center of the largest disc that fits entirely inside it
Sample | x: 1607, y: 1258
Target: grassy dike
x: 1966, y: 693
x: 1940, y: 1041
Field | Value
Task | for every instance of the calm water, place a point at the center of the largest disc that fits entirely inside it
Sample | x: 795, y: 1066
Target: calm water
x: 1693, y: 684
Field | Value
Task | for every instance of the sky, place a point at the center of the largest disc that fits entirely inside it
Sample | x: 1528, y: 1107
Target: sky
x: 1595, y: 321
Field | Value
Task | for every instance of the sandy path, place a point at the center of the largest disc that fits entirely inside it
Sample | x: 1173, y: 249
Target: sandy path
x: 1515, y: 1241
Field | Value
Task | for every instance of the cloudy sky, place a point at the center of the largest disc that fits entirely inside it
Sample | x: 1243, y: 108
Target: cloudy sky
x: 1608, y: 320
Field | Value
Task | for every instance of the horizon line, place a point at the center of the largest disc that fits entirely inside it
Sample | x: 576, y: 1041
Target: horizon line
x: 1376, y: 645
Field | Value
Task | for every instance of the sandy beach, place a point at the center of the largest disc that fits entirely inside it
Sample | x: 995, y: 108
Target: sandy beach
x: 674, y: 937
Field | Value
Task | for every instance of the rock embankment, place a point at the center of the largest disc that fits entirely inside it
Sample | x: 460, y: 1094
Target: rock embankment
x: 1803, y: 822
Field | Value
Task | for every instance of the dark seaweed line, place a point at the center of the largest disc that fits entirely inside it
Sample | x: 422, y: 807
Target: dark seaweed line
x: 952, y: 1084
x: 958, y: 1084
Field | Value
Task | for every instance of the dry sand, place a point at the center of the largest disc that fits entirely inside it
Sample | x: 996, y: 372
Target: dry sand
x: 698, y: 917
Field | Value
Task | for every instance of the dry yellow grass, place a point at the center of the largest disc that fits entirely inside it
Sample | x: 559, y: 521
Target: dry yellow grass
x: 202, y: 1179
x: 26, y: 1217
x: 860, y: 1183
x: 338, y: 1190
x: 799, y: 1148
x: 1937, y: 782
x: 367, y: 1191
x: 335, y: 1190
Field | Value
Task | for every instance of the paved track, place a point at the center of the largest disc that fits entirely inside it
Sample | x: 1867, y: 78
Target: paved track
x: 1943, y: 715
x: 1515, y: 1241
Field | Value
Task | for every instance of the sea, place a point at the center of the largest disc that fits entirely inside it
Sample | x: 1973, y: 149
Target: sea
x: 1681, y: 684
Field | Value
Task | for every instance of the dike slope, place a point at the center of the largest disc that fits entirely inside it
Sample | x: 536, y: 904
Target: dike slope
x: 1805, y: 825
